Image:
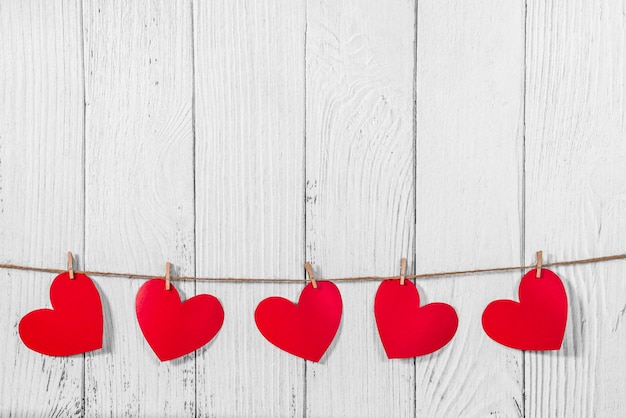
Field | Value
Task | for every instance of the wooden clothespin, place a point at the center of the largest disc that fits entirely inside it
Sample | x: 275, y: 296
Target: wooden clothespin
x: 70, y: 265
x: 402, y: 271
x: 539, y: 262
x: 309, y: 272
x: 167, y: 275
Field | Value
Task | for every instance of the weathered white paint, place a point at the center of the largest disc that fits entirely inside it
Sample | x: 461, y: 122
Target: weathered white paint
x: 359, y: 192
x: 41, y: 192
x: 576, y: 198
x: 139, y: 193
x: 241, y: 138
x: 469, y: 195
x: 249, y: 195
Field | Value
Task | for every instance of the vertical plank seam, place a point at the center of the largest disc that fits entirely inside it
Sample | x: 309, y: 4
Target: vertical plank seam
x: 304, y: 188
x: 195, y: 202
x: 84, y: 175
x: 415, y: 22
x: 523, y: 191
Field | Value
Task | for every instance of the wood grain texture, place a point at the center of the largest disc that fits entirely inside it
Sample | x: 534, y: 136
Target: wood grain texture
x: 360, y: 201
x: 41, y: 192
x: 576, y: 198
x: 249, y: 72
x: 470, y: 98
x: 238, y: 138
x: 139, y: 191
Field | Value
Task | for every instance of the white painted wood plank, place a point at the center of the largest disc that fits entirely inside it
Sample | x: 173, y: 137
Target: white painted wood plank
x: 41, y: 192
x: 249, y: 72
x: 470, y: 69
x: 139, y: 191
x: 576, y: 199
x: 360, y: 201
x: 250, y: 177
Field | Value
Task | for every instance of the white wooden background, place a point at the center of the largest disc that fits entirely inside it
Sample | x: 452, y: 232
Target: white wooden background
x: 241, y: 138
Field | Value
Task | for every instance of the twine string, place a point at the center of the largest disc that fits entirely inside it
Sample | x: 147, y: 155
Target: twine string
x: 339, y: 279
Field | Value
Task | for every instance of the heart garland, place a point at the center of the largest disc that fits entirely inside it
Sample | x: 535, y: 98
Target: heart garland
x: 407, y: 330
x: 171, y: 328
x: 75, y: 323
x: 537, y: 321
x: 305, y: 329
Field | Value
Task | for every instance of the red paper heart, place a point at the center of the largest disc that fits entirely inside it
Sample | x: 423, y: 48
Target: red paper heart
x: 172, y: 328
x: 405, y: 329
x: 74, y: 325
x: 537, y: 322
x: 306, y: 329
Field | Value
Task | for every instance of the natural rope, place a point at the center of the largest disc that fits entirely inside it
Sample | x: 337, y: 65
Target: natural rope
x: 341, y: 279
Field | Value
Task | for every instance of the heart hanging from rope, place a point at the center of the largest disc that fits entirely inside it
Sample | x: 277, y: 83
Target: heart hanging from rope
x: 307, y: 329
x: 407, y: 330
x: 75, y: 323
x: 537, y: 321
x: 173, y: 328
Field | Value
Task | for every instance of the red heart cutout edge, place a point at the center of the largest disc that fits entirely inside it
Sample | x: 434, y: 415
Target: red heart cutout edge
x: 537, y: 321
x: 75, y: 323
x: 171, y: 328
x: 307, y: 329
x: 405, y: 329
